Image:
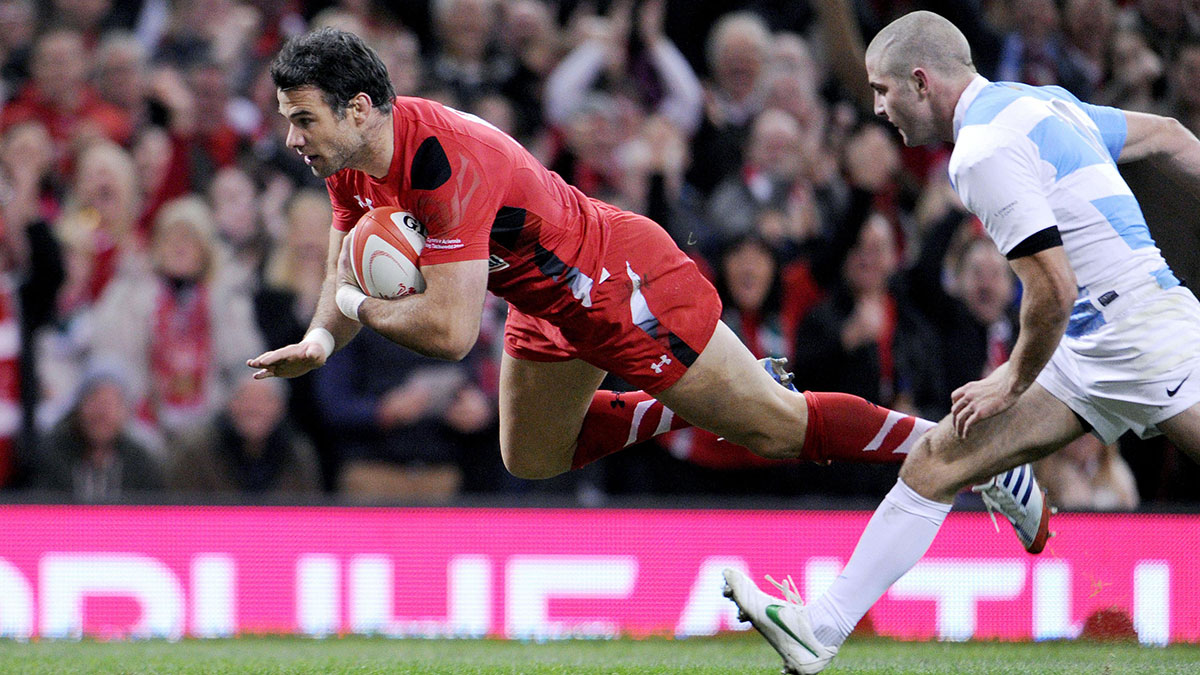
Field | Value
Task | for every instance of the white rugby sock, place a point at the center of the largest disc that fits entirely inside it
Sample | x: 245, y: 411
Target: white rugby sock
x: 894, y: 540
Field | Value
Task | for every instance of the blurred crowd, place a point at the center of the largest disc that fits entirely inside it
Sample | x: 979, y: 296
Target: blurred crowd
x: 155, y: 232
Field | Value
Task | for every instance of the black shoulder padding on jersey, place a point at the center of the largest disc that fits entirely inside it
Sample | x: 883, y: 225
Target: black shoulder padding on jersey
x: 430, y: 167
x: 1036, y: 243
x: 507, y: 226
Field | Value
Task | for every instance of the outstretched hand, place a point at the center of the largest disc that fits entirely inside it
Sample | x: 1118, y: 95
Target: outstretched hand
x: 291, y: 361
x: 979, y: 400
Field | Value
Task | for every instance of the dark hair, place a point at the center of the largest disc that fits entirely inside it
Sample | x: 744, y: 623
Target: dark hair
x: 338, y: 63
x: 773, y: 302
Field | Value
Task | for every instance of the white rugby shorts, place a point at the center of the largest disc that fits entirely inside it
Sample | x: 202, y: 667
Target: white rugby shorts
x: 1137, y: 366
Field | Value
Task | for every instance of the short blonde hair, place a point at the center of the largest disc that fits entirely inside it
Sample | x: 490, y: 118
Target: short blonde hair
x: 193, y: 213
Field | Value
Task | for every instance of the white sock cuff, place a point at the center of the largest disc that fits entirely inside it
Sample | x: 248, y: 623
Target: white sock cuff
x: 906, y: 499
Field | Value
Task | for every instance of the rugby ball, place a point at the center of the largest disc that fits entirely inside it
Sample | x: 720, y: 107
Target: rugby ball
x: 385, y: 250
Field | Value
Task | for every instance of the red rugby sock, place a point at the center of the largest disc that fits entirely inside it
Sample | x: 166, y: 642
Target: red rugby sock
x: 619, y: 419
x: 845, y: 428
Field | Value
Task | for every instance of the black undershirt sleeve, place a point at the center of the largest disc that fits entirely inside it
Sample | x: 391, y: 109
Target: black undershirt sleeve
x: 1036, y: 242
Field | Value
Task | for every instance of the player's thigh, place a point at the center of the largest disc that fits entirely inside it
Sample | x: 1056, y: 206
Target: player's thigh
x: 1184, y: 431
x: 1036, y: 425
x: 542, y: 405
x: 726, y: 392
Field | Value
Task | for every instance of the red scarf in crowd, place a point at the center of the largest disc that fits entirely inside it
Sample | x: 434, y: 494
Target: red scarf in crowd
x: 10, y: 379
x: 180, y: 354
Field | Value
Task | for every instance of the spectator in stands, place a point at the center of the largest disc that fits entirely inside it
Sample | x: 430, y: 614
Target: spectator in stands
x: 592, y: 134
x: 216, y: 143
x: 86, y: 17
x: 1089, y: 26
x: 97, y: 223
x: 468, y: 62
x: 18, y: 23
x: 120, y: 72
x: 651, y: 181
x: 1136, y: 71
x: 1185, y: 86
x: 58, y: 95
x: 236, y: 205
x: 93, y: 453
x: 95, y: 230
x: 178, y: 322
x: 401, y: 53
x: 738, y: 47
x: 868, y: 339
x: 603, y: 54
x: 1034, y: 52
x: 965, y: 289
x: 286, y: 300
x: 529, y: 33
x: 250, y: 448
x: 31, y: 272
x: 1088, y: 475
x: 391, y: 423
x: 773, y: 195
x: 1166, y: 24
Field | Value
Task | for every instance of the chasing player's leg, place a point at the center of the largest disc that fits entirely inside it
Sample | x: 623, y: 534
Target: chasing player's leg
x: 905, y: 524
x: 1184, y: 431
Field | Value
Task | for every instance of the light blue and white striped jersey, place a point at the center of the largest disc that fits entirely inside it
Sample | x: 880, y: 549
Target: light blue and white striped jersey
x: 1027, y: 158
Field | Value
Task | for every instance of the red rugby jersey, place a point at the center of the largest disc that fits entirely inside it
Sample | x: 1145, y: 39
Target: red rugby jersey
x: 481, y: 195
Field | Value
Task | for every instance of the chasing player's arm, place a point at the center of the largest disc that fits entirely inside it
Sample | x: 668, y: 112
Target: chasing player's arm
x: 1048, y: 293
x: 999, y: 177
x: 1148, y: 136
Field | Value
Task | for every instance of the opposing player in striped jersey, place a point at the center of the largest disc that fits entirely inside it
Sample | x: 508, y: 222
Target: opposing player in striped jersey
x: 1109, y: 339
x: 592, y: 289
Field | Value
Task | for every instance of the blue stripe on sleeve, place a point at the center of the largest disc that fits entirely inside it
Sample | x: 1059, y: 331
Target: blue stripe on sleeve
x: 1112, y: 124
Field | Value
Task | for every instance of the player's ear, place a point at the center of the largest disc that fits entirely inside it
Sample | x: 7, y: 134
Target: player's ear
x: 360, y: 106
x: 920, y: 81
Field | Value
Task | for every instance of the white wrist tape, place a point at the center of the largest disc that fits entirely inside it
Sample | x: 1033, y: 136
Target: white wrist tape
x: 322, y: 338
x: 348, y: 300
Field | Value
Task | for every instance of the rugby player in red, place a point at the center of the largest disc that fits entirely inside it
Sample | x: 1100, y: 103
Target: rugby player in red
x: 591, y: 288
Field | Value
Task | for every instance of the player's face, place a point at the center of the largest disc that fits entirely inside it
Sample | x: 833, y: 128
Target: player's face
x: 898, y: 102
x: 326, y: 143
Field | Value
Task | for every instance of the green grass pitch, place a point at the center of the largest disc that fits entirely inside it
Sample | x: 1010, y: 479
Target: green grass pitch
x: 739, y: 654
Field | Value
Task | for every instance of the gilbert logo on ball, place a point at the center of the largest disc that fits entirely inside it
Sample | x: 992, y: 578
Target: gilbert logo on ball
x: 385, y: 249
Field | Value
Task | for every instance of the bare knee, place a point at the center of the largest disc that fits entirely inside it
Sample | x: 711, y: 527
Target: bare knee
x: 532, y: 464
x: 928, y: 469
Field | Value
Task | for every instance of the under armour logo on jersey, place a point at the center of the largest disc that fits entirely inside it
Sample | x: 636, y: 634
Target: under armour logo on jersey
x: 364, y: 203
x: 617, y: 402
x: 664, y: 360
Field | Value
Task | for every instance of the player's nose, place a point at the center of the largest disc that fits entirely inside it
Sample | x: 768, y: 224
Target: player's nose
x: 294, y: 138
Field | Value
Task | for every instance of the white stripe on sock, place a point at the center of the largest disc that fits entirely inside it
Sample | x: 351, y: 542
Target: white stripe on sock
x: 664, y: 422
x: 638, y: 413
x: 892, y: 418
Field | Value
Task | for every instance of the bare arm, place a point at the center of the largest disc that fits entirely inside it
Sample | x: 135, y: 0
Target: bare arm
x: 839, y: 26
x: 1148, y: 136
x: 443, y: 322
x: 296, y: 359
x: 1049, y: 293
